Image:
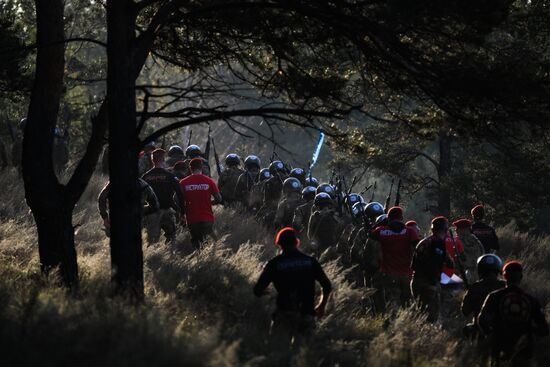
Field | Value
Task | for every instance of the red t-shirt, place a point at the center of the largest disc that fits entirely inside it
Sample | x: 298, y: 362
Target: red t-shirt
x: 451, y: 250
x: 397, y: 243
x: 198, y: 191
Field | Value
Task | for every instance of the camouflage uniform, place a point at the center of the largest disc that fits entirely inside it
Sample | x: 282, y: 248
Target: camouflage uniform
x: 227, y: 183
x: 286, y: 208
x: 324, y: 229
x: 243, y: 189
x: 473, y: 249
x: 477, y: 293
x: 272, y: 190
x: 300, y: 222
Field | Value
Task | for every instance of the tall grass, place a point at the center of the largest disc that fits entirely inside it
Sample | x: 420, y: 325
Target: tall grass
x: 199, y: 307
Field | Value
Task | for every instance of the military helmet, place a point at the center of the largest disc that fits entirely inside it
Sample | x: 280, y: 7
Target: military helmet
x: 373, y: 210
x: 358, y: 209
x: 489, y: 263
x: 252, y: 161
x: 265, y: 174
x: 232, y: 160
x: 352, y: 199
x: 381, y: 220
x: 326, y: 188
x: 298, y: 173
x: 292, y: 184
x: 175, y: 150
x: 312, y: 181
x: 308, y: 193
x: 323, y: 199
x: 276, y: 167
x: 193, y: 151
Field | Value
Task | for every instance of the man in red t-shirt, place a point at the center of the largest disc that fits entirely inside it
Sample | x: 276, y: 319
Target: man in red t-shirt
x: 397, y: 243
x: 198, y: 190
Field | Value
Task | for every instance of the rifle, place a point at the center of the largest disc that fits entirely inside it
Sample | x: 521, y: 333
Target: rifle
x: 458, y: 261
x: 207, y: 148
x: 398, y: 193
x: 190, y: 136
x: 218, y: 165
x: 367, y: 188
x: 388, y: 199
x: 373, y: 191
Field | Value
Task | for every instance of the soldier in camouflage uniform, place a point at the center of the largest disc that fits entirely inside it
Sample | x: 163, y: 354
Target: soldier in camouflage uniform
x: 247, y: 180
x: 488, y: 268
x: 272, y: 190
x: 149, y: 203
x: 300, y: 221
x: 292, y: 198
x: 175, y: 155
x: 473, y: 248
x: 325, y: 226
x: 227, y: 182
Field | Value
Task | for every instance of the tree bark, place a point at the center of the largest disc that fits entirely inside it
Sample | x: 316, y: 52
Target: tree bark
x: 445, y: 169
x: 43, y: 192
x: 124, y: 199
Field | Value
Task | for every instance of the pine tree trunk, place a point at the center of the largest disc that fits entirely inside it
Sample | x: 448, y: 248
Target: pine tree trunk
x: 125, y: 215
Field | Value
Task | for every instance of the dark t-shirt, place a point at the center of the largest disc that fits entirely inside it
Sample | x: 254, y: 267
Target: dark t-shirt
x: 486, y: 235
x: 165, y: 185
x: 293, y: 274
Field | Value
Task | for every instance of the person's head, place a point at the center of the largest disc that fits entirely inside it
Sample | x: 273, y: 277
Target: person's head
x: 157, y: 157
x: 193, y: 151
x: 287, y: 239
x: 513, y: 272
x: 195, y: 166
x: 232, y: 161
x: 440, y: 226
x: 180, y: 168
x: 395, y: 214
x: 478, y: 213
x: 463, y: 226
x: 489, y: 266
x: 252, y: 164
x: 412, y: 224
x: 323, y: 201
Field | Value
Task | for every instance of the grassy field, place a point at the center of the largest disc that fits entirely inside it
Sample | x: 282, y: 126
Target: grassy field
x: 199, y: 307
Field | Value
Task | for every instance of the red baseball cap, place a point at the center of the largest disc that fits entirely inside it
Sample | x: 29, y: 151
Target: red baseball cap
x: 287, y: 237
x: 462, y: 223
x: 395, y: 212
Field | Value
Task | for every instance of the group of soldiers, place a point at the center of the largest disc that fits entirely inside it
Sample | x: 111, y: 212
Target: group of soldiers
x: 387, y: 256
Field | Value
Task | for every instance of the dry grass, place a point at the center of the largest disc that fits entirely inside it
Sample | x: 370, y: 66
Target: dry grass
x: 200, y: 309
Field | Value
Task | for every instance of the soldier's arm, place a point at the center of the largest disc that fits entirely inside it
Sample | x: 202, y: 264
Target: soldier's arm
x: 279, y: 214
x: 486, y: 316
x: 266, y: 277
x: 298, y: 220
x: 312, y: 226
